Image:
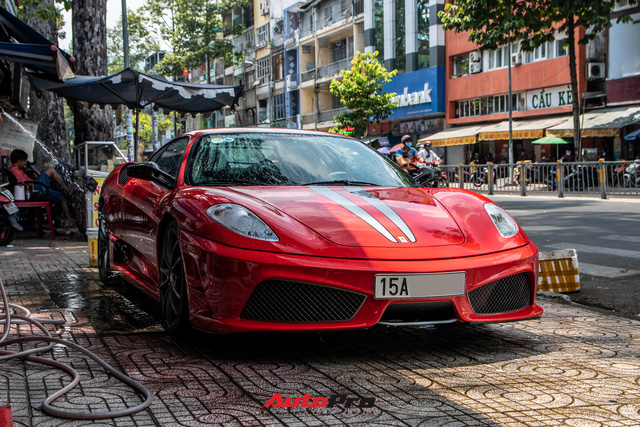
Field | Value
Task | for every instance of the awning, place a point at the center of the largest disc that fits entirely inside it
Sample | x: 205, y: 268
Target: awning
x: 600, y: 123
x: 521, y: 129
x: 135, y: 90
x: 454, y: 136
x: 21, y: 43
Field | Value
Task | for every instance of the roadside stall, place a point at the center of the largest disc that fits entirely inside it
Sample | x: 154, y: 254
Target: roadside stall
x: 95, y: 159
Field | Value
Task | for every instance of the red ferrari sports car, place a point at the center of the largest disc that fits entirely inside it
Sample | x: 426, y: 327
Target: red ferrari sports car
x: 262, y: 229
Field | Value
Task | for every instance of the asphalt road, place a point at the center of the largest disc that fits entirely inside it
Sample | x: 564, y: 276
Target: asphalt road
x: 606, y: 234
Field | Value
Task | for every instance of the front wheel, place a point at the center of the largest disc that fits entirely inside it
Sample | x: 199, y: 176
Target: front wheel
x: 7, y: 233
x: 104, y: 263
x: 174, y: 303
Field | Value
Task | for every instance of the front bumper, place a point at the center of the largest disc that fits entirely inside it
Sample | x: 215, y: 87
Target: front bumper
x: 222, y: 279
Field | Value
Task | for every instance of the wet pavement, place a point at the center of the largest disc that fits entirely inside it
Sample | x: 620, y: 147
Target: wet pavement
x: 573, y: 367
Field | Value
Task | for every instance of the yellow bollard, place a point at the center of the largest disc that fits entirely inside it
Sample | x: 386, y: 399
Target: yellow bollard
x: 559, y: 271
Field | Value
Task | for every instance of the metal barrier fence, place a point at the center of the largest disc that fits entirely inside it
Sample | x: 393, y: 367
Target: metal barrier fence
x: 604, y: 179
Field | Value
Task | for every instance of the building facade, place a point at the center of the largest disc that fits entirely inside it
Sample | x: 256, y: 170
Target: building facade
x: 448, y: 89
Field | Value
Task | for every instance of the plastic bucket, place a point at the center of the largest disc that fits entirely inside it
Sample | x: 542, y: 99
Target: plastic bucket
x: 92, y: 238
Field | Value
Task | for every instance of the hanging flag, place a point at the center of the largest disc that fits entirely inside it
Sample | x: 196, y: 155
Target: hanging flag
x: 204, y: 66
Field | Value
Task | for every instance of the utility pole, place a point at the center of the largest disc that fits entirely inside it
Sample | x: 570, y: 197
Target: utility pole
x: 125, y: 34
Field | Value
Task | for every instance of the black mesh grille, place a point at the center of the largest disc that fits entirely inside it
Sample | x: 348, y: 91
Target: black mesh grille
x: 281, y: 301
x: 123, y: 176
x: 404, y: 312
x: 502, y: 296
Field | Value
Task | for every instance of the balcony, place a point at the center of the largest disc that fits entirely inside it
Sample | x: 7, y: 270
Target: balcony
x: 307, y: 75
x: 329, y: 115
x: 334, y: 68
x: 358, y: 7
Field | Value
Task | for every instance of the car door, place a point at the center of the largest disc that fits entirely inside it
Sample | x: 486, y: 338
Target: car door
x: 143, y: 202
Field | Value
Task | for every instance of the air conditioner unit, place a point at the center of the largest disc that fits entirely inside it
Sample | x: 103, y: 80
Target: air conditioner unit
x: 474, y: 56
x: 277, y: 29
x: 516, y: 59
x: 595, y: 70
x: 475, y: 67
x: 265, y: 11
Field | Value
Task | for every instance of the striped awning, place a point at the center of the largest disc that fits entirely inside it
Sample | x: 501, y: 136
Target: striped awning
x: 600, y: 123
x: 454, y: 136
x: 521, y: 129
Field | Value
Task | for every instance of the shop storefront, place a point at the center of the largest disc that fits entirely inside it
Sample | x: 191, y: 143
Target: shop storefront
x: 420, y: 110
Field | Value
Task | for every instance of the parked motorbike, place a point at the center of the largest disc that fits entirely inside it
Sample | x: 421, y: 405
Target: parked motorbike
x: 9, y: 225
x: 480, y: 176
x: 631, y: 177
x: 429, y: 175
x: 576, y: 178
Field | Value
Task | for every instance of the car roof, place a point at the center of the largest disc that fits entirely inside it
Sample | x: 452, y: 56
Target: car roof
x: 263, y: 130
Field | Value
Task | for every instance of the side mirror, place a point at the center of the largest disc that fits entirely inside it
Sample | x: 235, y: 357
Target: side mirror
x: 149, y: 171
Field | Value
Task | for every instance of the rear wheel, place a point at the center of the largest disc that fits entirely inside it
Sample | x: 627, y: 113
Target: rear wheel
x: 174, y: 303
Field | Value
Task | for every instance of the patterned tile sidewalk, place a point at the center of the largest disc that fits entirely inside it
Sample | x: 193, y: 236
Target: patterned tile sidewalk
x: 572, y: 367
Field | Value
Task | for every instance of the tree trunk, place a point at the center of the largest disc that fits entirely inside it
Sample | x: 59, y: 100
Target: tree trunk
x: 575, y: 100
x: 48, y: 109
x: 90, y: 51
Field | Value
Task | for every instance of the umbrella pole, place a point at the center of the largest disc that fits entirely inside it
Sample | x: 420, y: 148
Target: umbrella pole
x: 135, y: 141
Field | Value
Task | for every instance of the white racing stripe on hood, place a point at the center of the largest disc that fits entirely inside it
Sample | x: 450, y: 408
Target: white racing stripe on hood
x: 385, y: 209
x: 354, y: 209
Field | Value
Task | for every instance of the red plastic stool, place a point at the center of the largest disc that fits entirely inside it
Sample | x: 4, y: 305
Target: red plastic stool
x: 39, y: 205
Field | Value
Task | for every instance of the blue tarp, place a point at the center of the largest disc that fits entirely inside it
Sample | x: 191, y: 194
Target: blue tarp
x: 21, y: 43
x: 633, y: 136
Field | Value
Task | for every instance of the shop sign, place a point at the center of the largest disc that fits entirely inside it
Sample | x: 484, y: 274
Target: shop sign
x: 559, y: 96
x: 419, y: 92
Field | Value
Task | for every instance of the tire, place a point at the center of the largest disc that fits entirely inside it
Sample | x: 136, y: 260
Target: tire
x: 104, y: 262
x: 174, y: 303
x: 477, y: 181
x: 7, y: 233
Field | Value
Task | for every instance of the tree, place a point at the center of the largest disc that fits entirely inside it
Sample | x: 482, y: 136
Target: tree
x: 90, y: 50
x: 142, y: 42
x: 565, y: 16
x: 495, y: 23
x: 48, y: 108
x: 361, y: 91
x: 197, y: 31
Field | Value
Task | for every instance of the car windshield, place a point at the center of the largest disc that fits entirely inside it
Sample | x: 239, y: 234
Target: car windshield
x: 290, y: 159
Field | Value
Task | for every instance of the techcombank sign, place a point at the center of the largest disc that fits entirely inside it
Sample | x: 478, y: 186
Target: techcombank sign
x: 418, y: 93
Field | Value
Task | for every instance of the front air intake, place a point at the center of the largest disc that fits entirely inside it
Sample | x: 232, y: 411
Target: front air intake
x: 502, y: 296
x: 296, y: 302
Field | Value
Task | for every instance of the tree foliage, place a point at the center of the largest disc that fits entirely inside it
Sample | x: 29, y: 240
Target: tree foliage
x: 196, y: 30
x: 361, y: 91
x: 46, y: 11
x: 494, y: 23
x: 142, y: 42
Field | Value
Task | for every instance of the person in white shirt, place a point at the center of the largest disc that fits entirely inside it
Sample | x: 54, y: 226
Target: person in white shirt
x: 424, y: 151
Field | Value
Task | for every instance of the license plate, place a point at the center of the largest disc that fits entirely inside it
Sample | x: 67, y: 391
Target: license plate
x: 419, y: 285
x: 11, y: 208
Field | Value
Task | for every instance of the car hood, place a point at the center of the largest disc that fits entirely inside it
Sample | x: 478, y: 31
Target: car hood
x: 365, y: 216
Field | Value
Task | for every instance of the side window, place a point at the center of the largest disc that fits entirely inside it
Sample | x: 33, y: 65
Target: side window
x: 170, y: 158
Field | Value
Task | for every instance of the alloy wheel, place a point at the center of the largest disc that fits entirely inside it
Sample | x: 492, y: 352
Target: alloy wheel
x: 173, y: 291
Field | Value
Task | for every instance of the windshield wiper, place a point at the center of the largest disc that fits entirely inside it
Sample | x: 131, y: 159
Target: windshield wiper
x: 340, y: 182
x: 228, y: 183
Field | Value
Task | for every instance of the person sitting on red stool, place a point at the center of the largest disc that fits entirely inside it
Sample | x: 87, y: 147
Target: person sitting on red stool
x: 43, y: 183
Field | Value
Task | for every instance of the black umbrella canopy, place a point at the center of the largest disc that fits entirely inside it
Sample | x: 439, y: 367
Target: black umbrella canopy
x: 135, y: 90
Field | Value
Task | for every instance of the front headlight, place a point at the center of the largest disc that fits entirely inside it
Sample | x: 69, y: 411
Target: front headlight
x: 505, y: 225
x: 242, y: 221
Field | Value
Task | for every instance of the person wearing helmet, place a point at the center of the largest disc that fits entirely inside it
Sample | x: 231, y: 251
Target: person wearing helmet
x: 428, y: 154
x: 407, y: 154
